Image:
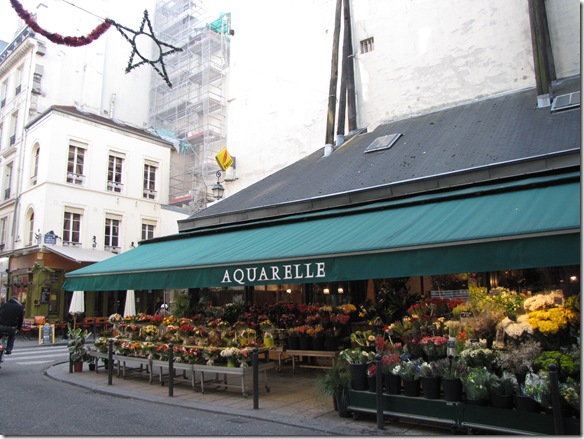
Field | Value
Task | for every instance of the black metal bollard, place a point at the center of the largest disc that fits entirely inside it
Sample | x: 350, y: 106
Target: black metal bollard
x: 556, y: 400
x: 256, y: 393
x: 379, y: 391
x: 110, y: 362
x: 171, y: 369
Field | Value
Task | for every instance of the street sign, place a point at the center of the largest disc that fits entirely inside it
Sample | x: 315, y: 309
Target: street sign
x: 224, y: 159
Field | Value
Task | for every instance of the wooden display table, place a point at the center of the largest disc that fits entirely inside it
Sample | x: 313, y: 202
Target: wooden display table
x: 293, y: 353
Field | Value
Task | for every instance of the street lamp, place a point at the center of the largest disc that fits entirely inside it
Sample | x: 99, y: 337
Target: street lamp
x: 218, y: 188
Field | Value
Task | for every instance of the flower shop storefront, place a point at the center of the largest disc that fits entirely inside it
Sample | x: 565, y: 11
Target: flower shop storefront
x: 528, y: 224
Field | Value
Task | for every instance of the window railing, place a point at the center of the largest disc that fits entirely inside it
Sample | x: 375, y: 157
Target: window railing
x: 12, y: 139
x: 113, y: 186
x: 150, y: 194
x: 3, y: 103
x: 18, y: 89
x: 7, y: 193
x: 112, y: 248
x: 71, y: 244
x: 75, y: 178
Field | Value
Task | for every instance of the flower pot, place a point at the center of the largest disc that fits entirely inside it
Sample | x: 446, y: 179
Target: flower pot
x: 358, y: 376
x: 372, y: 384
x: 431, y: 387
x: 78, y: 366
x: 392, y: 384
x: 501, y: 401
x: 341, y: 403
x: 411, y: 387
x: 526, y: 404
x: 318, y: 343
x: 230, y: 362
x: 452, y: 389
x: 293, y: 342
x: 305, y: 342
x: 331, y: 343
x: 482, y: 401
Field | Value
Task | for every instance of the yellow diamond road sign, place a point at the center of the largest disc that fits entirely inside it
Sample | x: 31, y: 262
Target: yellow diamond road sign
x: 224, y: 160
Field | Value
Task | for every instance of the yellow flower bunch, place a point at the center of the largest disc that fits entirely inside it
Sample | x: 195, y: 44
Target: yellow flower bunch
x: 347, y: 308
x: 150, y: 331
x: 550, y: 321
x: 169, y: 320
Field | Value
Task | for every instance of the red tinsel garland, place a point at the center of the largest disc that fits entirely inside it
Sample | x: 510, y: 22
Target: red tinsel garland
x: 56, y: 38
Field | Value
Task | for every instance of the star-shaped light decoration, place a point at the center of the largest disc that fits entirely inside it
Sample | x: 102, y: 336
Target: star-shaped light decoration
x: 145, y: 37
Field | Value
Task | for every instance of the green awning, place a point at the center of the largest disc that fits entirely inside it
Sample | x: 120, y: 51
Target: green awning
x: 534, y: 223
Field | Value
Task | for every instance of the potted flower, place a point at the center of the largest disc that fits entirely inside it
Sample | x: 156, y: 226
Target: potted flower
x: 391, y: 381
x: 434, y: 347
x: 537, y: 388
x: 150, y: 332
x: 364, y: 339
x: 520, y: 359
x: 318, y: 338
x: 477, y: 354
x: 429, y: 375
x: 451, y: 372
x: 78, y: 350
x: 475, y: 385
x: 357, y: 360
x: 406, y: 369
x: 267, y: 327
x: 230, y: 354
x: 502, y: 388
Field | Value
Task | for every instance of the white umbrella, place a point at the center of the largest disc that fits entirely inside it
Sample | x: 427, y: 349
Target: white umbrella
x: 77, y: 305
x: 130, y: 306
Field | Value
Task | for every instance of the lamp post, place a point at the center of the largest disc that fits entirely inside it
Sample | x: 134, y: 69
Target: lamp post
x: 218, y: 188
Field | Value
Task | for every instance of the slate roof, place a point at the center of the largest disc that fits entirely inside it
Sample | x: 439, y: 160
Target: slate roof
x: 458, y: 141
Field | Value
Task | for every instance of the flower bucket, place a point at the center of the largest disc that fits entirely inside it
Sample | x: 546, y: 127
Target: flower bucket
x: 526, y: 404
x: 331, y: 343
x: 411, y: 387
x: 431, y: 387
x: 452, y: 389
x: 358, y: 376
x: 230, y: 362
x: 372, y: 384
x: 293, y: 342
x: 318, y: 343
x: 392, y: 384
x: 269, y: 342
x: 501, y: 401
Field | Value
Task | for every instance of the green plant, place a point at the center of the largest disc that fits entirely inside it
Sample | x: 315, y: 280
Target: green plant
x: 475, y: 383
x: 451, y: 369
x: 78, y: 350
x: 335, y: 379
x: 504, y: 385
x: 567, y: 366
x: 537, y: 387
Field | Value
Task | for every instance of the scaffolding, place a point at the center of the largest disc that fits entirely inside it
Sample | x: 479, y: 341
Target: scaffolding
x: 194, y: 108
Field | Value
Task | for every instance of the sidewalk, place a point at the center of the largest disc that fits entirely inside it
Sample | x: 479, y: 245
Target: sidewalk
x: 292, y: 399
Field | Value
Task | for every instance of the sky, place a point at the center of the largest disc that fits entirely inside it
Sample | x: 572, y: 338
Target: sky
x: 9, y: 18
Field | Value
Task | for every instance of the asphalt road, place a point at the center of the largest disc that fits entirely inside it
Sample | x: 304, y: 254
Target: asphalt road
x: 32, y: 404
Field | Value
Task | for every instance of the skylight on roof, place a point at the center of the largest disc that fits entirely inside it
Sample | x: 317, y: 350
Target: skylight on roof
x: 565, y: 102
x: 383, y: 142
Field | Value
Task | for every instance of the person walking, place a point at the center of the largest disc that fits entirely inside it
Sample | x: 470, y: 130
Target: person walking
x: 11, y: 319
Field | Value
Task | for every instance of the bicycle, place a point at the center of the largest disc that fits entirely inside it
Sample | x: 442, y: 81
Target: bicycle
x: 3, y: 344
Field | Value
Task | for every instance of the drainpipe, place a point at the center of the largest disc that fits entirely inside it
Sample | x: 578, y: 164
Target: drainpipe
x: 543, y: 62
x: 330, y: 126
